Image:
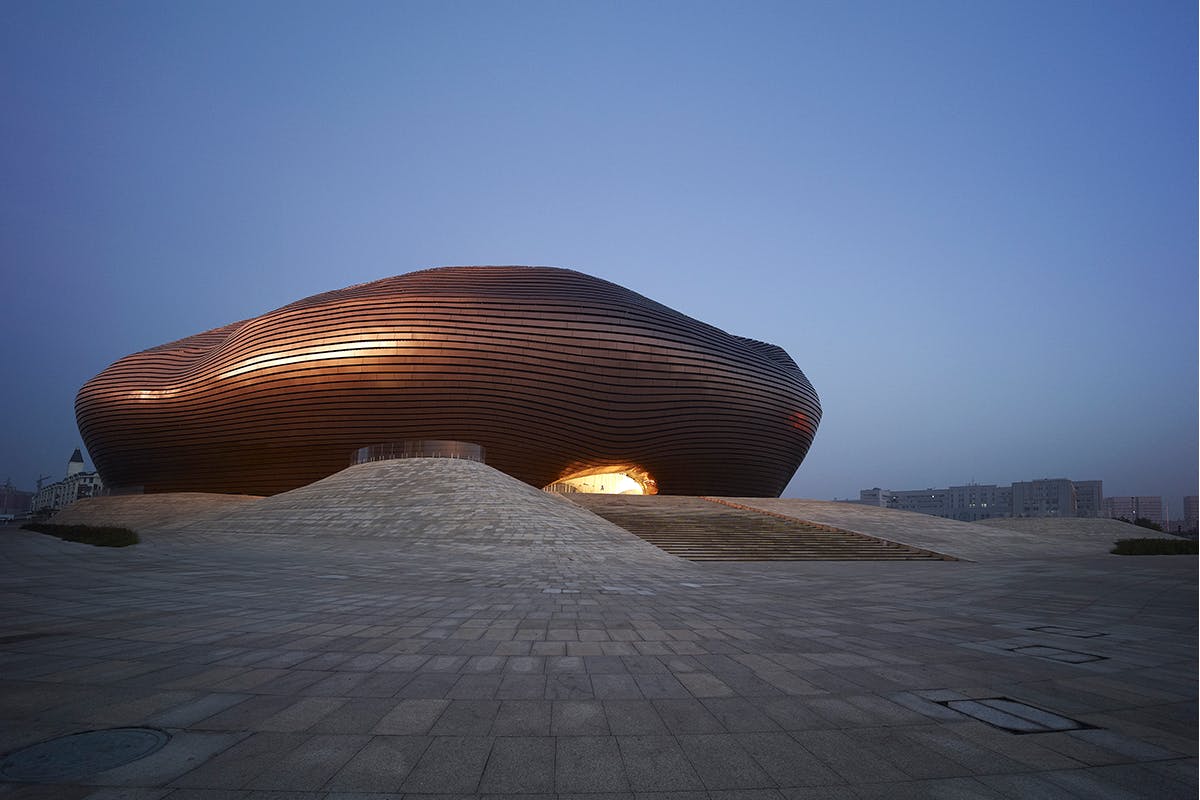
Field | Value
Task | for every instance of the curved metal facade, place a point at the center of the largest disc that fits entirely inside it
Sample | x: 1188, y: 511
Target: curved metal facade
x: 552, y: 371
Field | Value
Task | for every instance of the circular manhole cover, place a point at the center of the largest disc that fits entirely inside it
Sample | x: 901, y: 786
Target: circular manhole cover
x: 79, y: 754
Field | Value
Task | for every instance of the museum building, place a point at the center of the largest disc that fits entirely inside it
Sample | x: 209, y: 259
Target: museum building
x: 558, y: 378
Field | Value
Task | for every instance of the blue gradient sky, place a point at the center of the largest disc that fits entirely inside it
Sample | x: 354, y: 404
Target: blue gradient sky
x: 972, y: 224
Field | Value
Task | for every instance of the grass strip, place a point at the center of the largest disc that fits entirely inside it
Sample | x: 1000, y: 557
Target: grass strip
x: 87, y: 534
x: 1156, y: 547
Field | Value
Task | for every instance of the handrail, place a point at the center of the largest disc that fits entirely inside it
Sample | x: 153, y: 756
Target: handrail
x: 419, y: 448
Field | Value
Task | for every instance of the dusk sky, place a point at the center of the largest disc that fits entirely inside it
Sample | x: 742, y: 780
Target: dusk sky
x: 973, y: 225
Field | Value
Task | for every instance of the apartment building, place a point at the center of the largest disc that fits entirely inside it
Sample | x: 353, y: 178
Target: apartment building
x: 1046, y: 497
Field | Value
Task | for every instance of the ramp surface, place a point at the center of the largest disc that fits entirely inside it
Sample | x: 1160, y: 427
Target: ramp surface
x: 703, y: 529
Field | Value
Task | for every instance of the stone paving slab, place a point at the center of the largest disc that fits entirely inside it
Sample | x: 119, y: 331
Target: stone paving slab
x: 329, y: 667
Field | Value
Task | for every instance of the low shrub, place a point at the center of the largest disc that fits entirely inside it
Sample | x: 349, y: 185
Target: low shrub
x: 1156, y: 547
x: 87, y: 534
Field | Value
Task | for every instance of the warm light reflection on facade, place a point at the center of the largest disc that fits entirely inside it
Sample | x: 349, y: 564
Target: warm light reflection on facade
x: 153, y: 394
x: 318, y: 353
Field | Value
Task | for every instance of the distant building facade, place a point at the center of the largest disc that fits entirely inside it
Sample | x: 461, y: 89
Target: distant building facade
x: 923, y: 501
x: 976, y: 501
x: 1135, y: 507
x: 1047, y: 497
x: 969, y: 503
x: 78, y: 484
x: 1190, y: 521
x: 13, y: 501
x: 1089, y: 498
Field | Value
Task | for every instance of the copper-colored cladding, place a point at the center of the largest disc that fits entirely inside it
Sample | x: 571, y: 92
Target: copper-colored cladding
x: 552, y: 371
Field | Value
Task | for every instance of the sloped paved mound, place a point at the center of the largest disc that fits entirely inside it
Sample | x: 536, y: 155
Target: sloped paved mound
x: 145, y: 511
x: 702, y: 529
x: 992, y: 540
x: 433, y: 501
x: 1076, y: 532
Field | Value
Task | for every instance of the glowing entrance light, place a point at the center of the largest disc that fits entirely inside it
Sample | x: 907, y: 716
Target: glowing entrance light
x: 606, y: 480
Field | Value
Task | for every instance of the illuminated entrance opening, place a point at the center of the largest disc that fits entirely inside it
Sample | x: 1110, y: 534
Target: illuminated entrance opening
x: 606, y: 480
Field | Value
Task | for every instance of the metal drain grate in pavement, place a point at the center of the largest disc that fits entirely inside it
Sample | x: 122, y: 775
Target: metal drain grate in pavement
x: 70, y: 757
x: 1013, y: 716
x: 1059, y: 630
x: 1056, y: 654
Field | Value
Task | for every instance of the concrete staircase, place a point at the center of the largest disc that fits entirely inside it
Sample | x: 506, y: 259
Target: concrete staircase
x: 709, y: 529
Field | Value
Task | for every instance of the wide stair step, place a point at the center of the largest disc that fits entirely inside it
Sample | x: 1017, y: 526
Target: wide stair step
x: 709, y: 529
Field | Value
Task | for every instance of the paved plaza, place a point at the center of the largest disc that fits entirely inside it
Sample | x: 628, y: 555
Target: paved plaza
x: 484, y: 640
